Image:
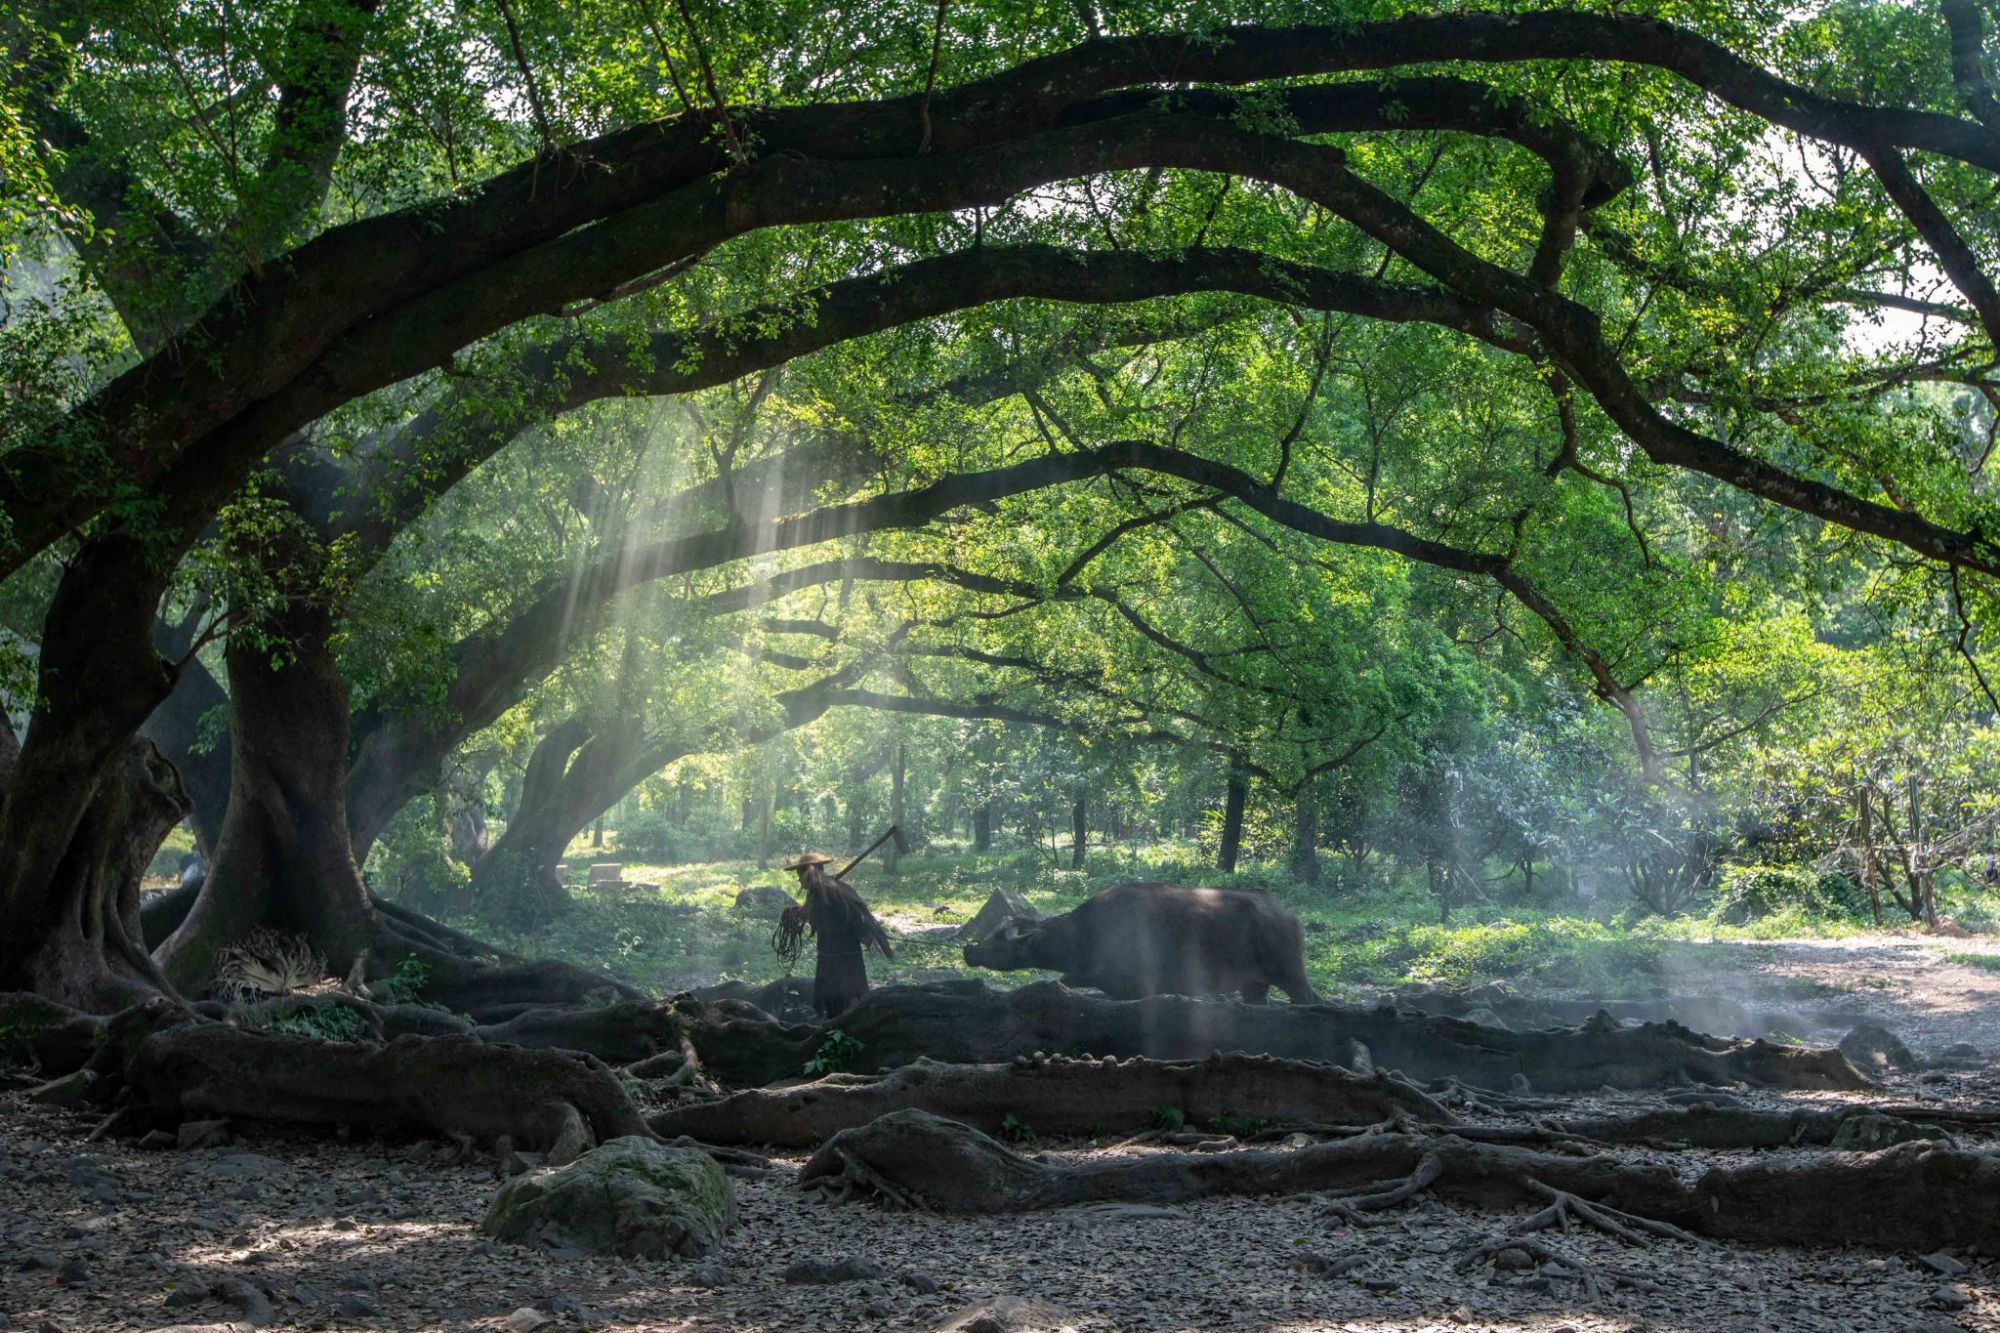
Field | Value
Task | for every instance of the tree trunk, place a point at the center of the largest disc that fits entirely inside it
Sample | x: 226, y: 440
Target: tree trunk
x: 574, y: 775
x: 465, y: 807
x: 1868, y: 858
x: 897, y: 814
x: 764, y: 829
x: 1305, y: 836
x: 82, y: 800
x: 982, y: 827
x: 284, y: 859
x: 1079, y: 830
x: 1235, y: 794
x: 181, y: 728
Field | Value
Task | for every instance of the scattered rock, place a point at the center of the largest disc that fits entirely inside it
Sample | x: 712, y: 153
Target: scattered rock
x: 1486, y: 1018
x: 632, y: 1196
x: 158, y: 1140
x: 526, y: 1320
x: 921, y: 1283
x: 1000, y: 907
x: 1960, y: 1055
x: 69, y: 1090
x: 1090, y: 1214
x: 1869, y: 1131
x: 763, y: 900
x: 1948, y: 1297
x: 354, y: 1307
x: 1943, y: 1264
x: 195, y: 1134
x: 1320, y: 1265
x: 1875, y: 1050
x: 1005, y: 1314
x: 1359, y: 1058
x: 1513, y: 1259
x: 829, y: 1271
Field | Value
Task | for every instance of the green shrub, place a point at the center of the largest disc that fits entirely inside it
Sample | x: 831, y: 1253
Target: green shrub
x: 406, y: 984
x: 648, y: 835
x: 1754, y: 892
x: 1013, y: 1129
x: 837, y: 1052
x: 412, y: 864
x: 324, y: 1020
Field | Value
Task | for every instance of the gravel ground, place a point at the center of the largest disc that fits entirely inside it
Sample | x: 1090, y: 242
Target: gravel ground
x: 375, y: 1236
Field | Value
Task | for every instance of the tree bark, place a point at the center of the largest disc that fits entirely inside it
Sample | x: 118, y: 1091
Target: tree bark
x: 448, y: 1085
x: 1057, y: 1097
x: 87, y: 805
x: 1079, y: 830
x: 283, y: 859
x: 182, y: 729
x: 1236, y: 792
x: 1919, y: 1197
x: 1305, y: 835
x: 965, y: 1022
x: 516, y: 880
x: 898, y: 815
x: 982, y: 827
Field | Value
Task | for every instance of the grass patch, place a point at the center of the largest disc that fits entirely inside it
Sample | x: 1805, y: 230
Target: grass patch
x: 674, y: 926
x: 1989, y: 961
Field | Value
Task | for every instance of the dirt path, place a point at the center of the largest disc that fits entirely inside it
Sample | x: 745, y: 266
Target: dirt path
x: 360, y: 1236
x: 1916, y: 986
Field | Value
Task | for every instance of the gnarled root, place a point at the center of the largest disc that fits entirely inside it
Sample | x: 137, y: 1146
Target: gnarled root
x: 618, y: 1034
x: 1920, y: 1196
x: 968, y: 1023
x: 453, y: 1085
x: 1058, y: 1096
x: 55, y: 1039
x: 482, y: 989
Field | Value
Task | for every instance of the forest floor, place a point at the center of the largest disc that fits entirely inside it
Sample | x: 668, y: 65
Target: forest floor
x: 377, y: 1236
x: 381, y: 1236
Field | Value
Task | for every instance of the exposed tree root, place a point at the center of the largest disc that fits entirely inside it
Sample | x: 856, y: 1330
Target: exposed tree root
x: 618, y: 1034
x: 454, y: 1085
x: 1912, y: 1197
x: 438, y: 935
x: 1565, y: 1207
x: 480, y: 989
x: 968, y: 1023
x: 1722, y: 1128
x: 1060, y: 1096
x: 788, y: 998
x: 55, y: 1039
x: 1718, y: 1014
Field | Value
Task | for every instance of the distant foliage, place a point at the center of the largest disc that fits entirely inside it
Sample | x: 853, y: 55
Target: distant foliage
x: 1753, y: 892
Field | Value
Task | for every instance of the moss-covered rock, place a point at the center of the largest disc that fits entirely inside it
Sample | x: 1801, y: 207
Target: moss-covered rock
x: 633, y: 1196
x: 1870, y: 1131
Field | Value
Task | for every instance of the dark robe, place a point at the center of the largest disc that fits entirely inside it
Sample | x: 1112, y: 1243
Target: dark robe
x: 843, y: 927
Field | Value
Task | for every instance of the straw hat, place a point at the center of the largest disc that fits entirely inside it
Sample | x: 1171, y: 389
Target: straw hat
x: 810, y: 859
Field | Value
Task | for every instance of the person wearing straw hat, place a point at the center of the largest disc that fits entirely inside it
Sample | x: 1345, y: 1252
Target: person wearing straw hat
x: 843, y: 927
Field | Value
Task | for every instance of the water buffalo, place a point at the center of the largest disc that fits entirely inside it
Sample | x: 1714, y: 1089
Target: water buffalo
x: 1135, y: 940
